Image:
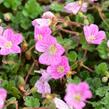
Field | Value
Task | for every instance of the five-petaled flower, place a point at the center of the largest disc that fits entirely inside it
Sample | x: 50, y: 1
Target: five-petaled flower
x: 9, y: 41
x: 59, y: 70
x: 93, y: 35
x: 75, y: 7
x: 77, y: 94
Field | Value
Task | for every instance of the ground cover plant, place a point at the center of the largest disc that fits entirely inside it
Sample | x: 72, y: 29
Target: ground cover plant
x: 54, y: 54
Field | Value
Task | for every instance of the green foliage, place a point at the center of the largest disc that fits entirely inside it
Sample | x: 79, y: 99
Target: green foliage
x: 103, y: 50
x: 32, y: 9
x: 13, y: 4
x: 101, y: 69
x: 72, y: 55
x: 56, y: 7
x: 30, y: 101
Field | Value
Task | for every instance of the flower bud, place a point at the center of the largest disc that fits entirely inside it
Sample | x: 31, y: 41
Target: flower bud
x: 86, y: 21
x: 104, y: 79
x: 7, y: 16
x: 49, y: 96
x: 51, y: 16
x: 24, y: 46
x: 28, y: 55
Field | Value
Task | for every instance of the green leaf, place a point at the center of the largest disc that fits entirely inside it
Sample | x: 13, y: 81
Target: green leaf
x: 102, y: 91
x: 74, y: 80
x: 72, y: 55
x: 103, y: 50
x: 68, y: 43
x: 30, y: 101
x: 13, y: 4
x: 32, y: 9
x: 56, y: 7
x: 101, y: 68
x: 90, y: 18
x: 105, y: 100
x: 92, y: 82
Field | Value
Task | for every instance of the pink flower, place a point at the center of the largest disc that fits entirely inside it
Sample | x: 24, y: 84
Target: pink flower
x: 75, y: 7
x: 9, y: 42
x: 48, y: 15
x: 41, y: 32
x: 59, y: 70
x: 45, y: 75
x: 3, y: 95
x: 42, y: 84
x: 93, y: 35
x: 41, y: 22
x: 77, y: 94
x: 52, y: 51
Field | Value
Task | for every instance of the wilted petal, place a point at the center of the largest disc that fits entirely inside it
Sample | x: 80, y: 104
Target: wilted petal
x: 60, y: 104
x: 41, y: 22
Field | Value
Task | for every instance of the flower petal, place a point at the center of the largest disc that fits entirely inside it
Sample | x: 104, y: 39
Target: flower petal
x: 47, y: 59
x: 4, y: 51
x: 73, y: 7
x: 60, y: 104
x: 13, y: 37
x: 16, y: 49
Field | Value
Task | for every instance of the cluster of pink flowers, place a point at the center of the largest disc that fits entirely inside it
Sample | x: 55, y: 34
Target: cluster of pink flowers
x: 9, y: 41
x: 52, y: 52
x: 52, y: 55
x: 58, y: 66
x: 3, y: 95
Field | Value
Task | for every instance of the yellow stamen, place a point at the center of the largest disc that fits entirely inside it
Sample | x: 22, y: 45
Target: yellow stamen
x: 77, y: 97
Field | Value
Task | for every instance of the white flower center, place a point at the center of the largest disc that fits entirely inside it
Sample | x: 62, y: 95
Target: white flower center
x: 60, y: 69
x: 8, y: 44
x: 80, y: 2
x: 39, y: 37
x: 52, y: 49
x: 91, y: 38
